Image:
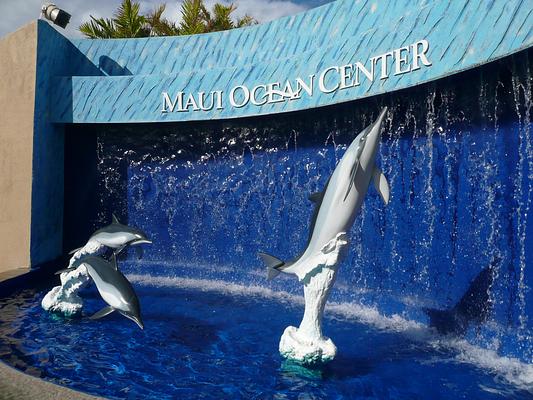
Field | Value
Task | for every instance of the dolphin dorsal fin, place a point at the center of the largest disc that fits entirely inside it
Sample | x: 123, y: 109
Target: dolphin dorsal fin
x: 114, y: 261
x: 114, y: 219
x: 381, y: 184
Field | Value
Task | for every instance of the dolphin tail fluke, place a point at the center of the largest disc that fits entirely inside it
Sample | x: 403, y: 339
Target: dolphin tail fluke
x: 444, y: 321
x: 472, y: 309
x: 476, y: 303
x: 102, y: 313
x: 273, y: 264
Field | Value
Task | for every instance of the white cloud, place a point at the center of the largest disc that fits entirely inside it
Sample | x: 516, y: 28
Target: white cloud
x: 16, y: 13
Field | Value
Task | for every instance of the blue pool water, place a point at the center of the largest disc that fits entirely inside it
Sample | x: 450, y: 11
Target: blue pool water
x: 212, y: 340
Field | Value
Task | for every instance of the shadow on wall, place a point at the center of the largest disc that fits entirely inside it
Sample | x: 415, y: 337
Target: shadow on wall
x: 82, y: 199
x: 84, y: 195
x: 112, y: 68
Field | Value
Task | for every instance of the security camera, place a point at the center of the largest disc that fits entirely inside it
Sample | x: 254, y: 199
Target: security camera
x: 53, y: 13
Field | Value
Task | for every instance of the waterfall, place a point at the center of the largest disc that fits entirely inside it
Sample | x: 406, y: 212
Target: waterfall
x: 459, y: 159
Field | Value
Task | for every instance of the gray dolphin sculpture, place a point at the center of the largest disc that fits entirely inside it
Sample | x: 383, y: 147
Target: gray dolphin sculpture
x: 118, y: 236
x: 338, y: 204
x: 114, y: 288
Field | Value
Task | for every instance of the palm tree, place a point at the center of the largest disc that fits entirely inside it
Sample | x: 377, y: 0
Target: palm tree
x: 193, y: 17
x: 127, y: 22
x: 220, y: 19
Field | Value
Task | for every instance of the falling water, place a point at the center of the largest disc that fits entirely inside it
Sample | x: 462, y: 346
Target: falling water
x: 459, y: 159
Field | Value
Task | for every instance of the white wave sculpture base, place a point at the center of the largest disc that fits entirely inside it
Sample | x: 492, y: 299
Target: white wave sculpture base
x: 306, y: 344
x: 64, y: 299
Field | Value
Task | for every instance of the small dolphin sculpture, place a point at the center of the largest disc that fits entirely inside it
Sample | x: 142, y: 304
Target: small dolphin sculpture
x: 114, y: 288
x: 118, y: 237
x: 474, y: 307
x: 338, y: 204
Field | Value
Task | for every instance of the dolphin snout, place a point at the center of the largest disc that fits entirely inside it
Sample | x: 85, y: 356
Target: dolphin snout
x: 139, y: 322
x: 141, y: 238
x: 381, y: 116
x: 375, y: 132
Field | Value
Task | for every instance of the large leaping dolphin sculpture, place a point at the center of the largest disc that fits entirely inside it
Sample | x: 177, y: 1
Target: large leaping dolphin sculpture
x: 117, y: 236
x: 339, y: 202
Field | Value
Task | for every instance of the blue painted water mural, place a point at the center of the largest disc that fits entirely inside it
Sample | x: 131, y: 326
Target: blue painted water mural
x: 459, y: 160
x: 135, y: 72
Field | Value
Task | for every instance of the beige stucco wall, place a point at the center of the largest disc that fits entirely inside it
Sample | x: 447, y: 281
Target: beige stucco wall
x: 17, y: 99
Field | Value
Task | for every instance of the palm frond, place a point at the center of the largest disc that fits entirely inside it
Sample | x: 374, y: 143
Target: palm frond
x: 221, y: 18
x: 98, y: 28
x: 129, y: 22
x: 160, y: 26
x: 247, y: 20
x: 193, y: 17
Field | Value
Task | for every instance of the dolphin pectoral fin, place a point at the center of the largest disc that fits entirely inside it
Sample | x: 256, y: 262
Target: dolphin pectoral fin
x: 381, y: 185
x: 75, y: 250
x: 273, y: 264
x: 102, y: 313
x: 115, y: 219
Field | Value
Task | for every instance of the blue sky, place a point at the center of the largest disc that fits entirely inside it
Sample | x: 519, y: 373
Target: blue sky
x: 16, y: 13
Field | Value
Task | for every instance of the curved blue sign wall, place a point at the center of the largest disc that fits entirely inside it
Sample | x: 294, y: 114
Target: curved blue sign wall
x: 339, y: 52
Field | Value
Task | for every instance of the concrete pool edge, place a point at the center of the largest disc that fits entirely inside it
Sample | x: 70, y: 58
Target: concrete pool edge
x: 13, y: 274
x: 19, y: 278
x: 15, y: 384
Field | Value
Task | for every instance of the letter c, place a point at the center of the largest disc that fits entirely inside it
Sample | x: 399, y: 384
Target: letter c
x: 321, y: 81
x: 253, y: 99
